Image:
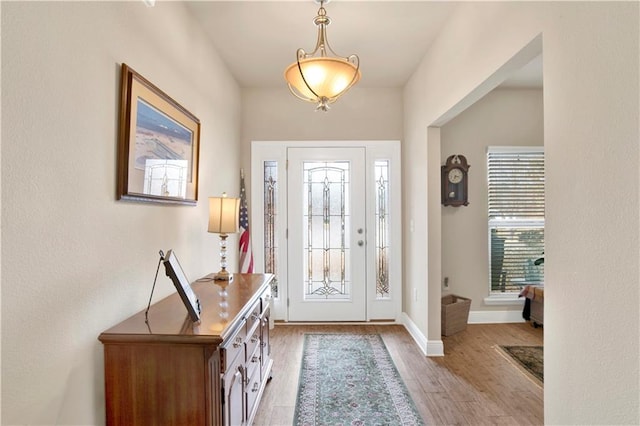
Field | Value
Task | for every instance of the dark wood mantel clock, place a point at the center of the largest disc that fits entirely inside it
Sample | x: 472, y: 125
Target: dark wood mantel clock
x: 455, y: 176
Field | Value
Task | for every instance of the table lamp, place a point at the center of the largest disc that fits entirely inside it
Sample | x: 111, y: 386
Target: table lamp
x: 224, y: 219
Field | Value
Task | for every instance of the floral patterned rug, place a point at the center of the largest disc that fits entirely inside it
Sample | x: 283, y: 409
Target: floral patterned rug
x: 528, y: 358
x: 350, y: 379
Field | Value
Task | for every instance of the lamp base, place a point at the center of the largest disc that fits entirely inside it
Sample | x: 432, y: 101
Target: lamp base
x: 223, y: 275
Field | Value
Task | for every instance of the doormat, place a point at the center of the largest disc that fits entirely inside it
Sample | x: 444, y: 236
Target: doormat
x: 350, y: 379
x: 528, y: 359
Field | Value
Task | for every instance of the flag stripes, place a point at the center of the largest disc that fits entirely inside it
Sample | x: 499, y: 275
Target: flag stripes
x: 246, y: 254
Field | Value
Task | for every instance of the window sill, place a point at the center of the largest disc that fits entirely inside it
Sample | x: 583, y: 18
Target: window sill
x: 504, y: 299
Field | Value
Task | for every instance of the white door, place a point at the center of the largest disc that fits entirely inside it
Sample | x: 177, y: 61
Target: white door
x: 326, y: 234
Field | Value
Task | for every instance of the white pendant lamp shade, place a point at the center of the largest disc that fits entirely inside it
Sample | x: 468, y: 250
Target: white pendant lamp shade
x: 325, y: 77
x: 316, y: 77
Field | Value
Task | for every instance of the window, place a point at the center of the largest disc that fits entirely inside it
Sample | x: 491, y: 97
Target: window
x: 381, y: 175
x: 516, y: 216
x: 270, y: 189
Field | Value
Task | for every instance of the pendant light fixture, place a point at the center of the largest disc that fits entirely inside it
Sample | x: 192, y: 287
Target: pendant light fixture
x: 317, y: 77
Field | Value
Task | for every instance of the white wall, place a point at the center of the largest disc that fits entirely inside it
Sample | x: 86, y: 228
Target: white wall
x: 591, y: 111
x: 74, y: 260
x: 503, y: 117
x: 362, y: 114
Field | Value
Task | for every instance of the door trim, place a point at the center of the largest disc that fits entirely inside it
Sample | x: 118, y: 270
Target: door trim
x: 261, y: 151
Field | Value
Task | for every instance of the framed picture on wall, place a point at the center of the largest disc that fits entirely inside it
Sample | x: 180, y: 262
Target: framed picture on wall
x: 158, y: 146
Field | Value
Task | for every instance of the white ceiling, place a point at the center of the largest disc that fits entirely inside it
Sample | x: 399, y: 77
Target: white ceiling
x: 258, y: 39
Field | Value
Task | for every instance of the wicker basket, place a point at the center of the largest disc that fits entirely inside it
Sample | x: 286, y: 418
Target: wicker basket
x: 455, y: 313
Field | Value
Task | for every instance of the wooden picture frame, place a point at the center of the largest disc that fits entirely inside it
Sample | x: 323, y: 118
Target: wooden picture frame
x: 180, y: 281
x: 158, y: 146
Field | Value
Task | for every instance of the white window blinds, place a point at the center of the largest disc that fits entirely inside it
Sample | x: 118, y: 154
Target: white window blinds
x: 516, y: 183
x: 516, y: 216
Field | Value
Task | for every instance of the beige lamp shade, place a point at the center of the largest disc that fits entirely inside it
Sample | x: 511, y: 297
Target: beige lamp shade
x: 327, y: 77
x: 318, y: 76
x: 224, y: 215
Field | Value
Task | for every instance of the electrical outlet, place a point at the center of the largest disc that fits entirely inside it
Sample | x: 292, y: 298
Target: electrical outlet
x: 445, y: 283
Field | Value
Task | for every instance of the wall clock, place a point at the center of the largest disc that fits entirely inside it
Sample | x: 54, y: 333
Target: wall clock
x: 454, y: 177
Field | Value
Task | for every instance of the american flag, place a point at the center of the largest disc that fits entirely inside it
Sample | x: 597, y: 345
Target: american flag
x: 246, y: 255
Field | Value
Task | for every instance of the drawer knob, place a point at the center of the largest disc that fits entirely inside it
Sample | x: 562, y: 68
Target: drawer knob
x: 255, y: 388
x: 238, y: 342
x: 254, y: 338
x: 254, y: 317
x: 254, y: 359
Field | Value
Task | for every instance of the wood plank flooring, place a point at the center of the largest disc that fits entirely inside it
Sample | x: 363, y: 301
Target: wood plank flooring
x: 473, y: 384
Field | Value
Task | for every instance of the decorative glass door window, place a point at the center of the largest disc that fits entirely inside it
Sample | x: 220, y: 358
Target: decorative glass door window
x: 382, y: 228
x: 326, y: 215
x: 270, y: 215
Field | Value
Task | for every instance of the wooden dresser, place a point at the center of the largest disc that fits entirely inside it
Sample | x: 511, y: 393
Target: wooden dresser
x: 174, y: 372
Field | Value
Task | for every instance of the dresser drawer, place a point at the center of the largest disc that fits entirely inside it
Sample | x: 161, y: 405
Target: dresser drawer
x: 265, y: 343
x: 233, y: 347
x: 253, y: 339
x: 253, y: 363
x: 265, y: 299
x: 253, y: 317
x: 252, y: 391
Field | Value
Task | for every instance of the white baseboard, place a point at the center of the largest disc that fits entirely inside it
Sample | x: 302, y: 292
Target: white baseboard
x: 494, y: 317
x: 413, y: 330
x: 435, y: 348
x: 428, y: 347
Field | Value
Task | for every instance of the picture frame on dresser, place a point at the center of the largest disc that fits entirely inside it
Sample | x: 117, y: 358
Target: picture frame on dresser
x: 180, y: 281
x: 158, y: 145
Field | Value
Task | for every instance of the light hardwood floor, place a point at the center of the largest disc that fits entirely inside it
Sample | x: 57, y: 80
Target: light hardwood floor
x: 473, y: 384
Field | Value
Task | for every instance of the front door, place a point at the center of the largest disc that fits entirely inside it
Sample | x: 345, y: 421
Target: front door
x: 326, y: 234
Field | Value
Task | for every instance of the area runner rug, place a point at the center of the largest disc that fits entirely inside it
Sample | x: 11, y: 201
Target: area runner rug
x: 350, y: 379
x: 529, y: 359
